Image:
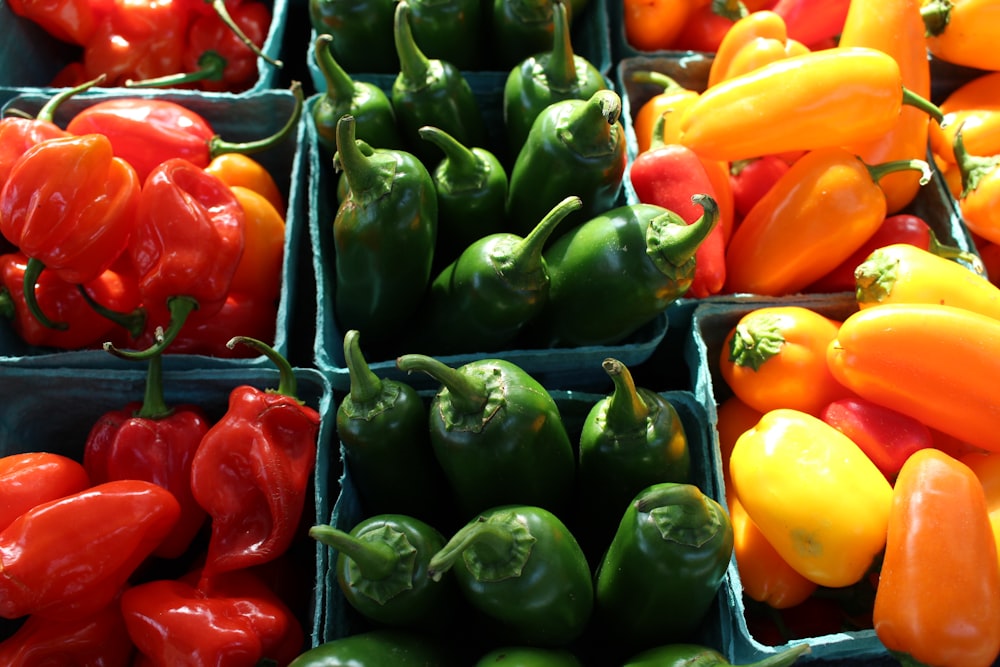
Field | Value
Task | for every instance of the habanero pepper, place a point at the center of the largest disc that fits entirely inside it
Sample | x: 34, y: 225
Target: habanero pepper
x: 963, y: 32
x: 980, y: 190
x: 707, y: 24
x: 32, y: 478
x: 248, y: 314
x: 252, y: 471
x: 69, y: 21
x: 653, y: 26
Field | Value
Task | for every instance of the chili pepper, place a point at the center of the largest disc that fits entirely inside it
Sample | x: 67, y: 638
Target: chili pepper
x: 980, y: 190
x: 878, y: 345
x: 367, y: 103
x: 962, y: 32
x: 786, y: 470
x: 382, y: 570
x: 497, y: 286
x: 249, y: 314
x: 362, y: 33
x: 147, y: 131
x: 106, y: 531
x: 471, y: 187
x: 549, y: 76
x: 152, y: 441
x: 630, y: 439
x: 259, y: 271
x: 497, y: 434
x: 431, y: 91
x: 939, y: 529
x: 235, y: 619
x: 669, y: 175
x: 887, y: 437
x: 904, y: 273
x: 628, y: 264
x: 32, y: 478
x: 385, y: 646
x: 244, y: 171
x: 519, y: 29
x: 522, y: 567
x: 453, y: 31
x: 384, y: 233
x: 99, y: 639
x: 854, y: 95
x: 784, y: 243
x: 664, y: 566
x: 529, y: 656
x: 975, y: 107
x: 813, y: 23
x: 775, y: 357
x: 752, y: 178
x: 68, y: 21
x: 575, y: 148
x: 382, y: 425
x: 679, y: 655
x: 266, y: 443
x: 672, y: 99
x: 763, y: 24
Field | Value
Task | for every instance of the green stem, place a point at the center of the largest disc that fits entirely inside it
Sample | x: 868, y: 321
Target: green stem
x: 560, y: 65
x: 363, y: 174
x: 287, y: 382
x: 972, y: 167
x: 414, y: 65
x: 133, y: 322
x: 626, y: 409
x: 339, y: 84
x: 733, y: 10
x: 528, y: 252
x: 468, y: 394
x: 680, y: 242
x: 912, y: 99
x: 954, y: 252
x: 180, y: 307
x: 211, y: 67
x: 219, y: 7
x: 462, y: 160
x: 656, y: 141
x: 783, y: 658
x: 936, y: 15
x: 217, y: 146
x: 877, y: 171
x: 48, y: 111
x: 365, y: 385
x: 668, y: 84
x: 375, y: 560
x: 32, y: 270
x: 153, y: 404
x: 588, y: 126
x: 493, y: 542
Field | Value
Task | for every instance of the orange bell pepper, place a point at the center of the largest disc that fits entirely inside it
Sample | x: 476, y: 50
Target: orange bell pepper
x: 258, y: 272
x: 653, y: 25
x: 979, y: 200
x: 820, y: 211
x: 938, y: 597
x: 671, y: 100
x: 775, y: 357
x: 932, y: 362
x: 964, y: 32
x: 813, y: 493
x: 852, y: 95
x: 895, y: 28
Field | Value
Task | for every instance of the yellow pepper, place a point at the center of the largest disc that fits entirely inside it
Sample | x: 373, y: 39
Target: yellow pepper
x: 817, y: 498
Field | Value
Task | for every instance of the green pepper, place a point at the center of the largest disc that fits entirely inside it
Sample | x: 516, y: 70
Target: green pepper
x: 630, y: 439
x: 521, y: 566
x: 619, y: 271
x: 575, y: 147
x: 361, y: 31
x: 382, y: 426
x: 693, y: 655
x: 384, y: 234
x: 522, y: 28
x: 471, y: 186
x: 450, y: 30
x: 528, y: 656
x: 382, y: 648
x: 663, y: 568
x: 551, y: 76
x: 374, y: 118
x: 481, y: 301
x: 431, y: 91
x: 498, y: 435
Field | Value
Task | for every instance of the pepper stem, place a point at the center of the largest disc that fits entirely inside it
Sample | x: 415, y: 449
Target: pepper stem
x: 180, y: 307
x: 414, y: 65
x: 48, y: 110
x: 363, y: 174
x: 339, y: 84
x: 879, y: 170
x: 656, y: 140
x: 973, y: 167
x: 153, y: 404
x: 936, y: 15
x: 7, y: 309
x: 365, y: 385
x: 493, y: 543
x: 461, y: 158
x: 626, y: 410
x: 668, y: 84
x: 287, y: 382
x: 528, y: 252
x: 375, y: 560
x: 912, y: 99
x: 733, y: 10
x: 670, y: 239
x: 560, y: 62
x: 584, y: 129
x: 217, y: 146
x: 953, y: 252
x: 32, y: 270
x: 133, y: 322
x: 211, y: 67
x: 219, y: 7
x: 468, y: 394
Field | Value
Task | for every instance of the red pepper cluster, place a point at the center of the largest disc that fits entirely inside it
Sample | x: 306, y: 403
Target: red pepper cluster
x: 158, y: 549
x: 134, y: 227
x: 206, y: 44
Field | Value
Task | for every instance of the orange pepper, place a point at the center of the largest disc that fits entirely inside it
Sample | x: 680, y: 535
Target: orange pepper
x: 259, y: 270
x: 745, y: 31
x: 975, y: 107
x: 775, y: 357
x: 653, y: 25
x: 986, y: 466
x: 979, y: 201
x: 671, y: 100
x: 763, y: 51
x: 240, y: 169
x: 934, y: 363
x: 895, y: 28
x: 964, y: 32
x: 718, y: 173
x: 852, y: 95
x: 820, y: 211
x: 733, y: 418
x: 938, y: 597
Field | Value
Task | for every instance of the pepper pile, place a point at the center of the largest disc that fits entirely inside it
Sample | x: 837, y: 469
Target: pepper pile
x: 163, y: 236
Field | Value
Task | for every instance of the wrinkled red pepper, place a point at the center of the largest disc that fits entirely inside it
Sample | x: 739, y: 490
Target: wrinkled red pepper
x: 70, y: 21
x: 32, y: 478
x: 252, y: 471
x: 68, y: 558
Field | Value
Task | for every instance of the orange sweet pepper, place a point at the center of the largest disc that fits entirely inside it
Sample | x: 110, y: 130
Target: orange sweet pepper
x: 979, y: 200
x: 671, y: 100
x: 653, y: 25
x: 964, y: 32
x: 986, y: 466
x: 755, y: 40
x: 975, y: 107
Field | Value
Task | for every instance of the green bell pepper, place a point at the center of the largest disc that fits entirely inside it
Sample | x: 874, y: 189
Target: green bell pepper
x: 361, y: 31
x: 382, y: 648
x: 693, y: 655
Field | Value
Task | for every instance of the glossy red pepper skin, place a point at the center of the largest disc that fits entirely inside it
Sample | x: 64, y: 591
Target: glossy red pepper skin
x: 209, y: 38
x: 810, y: 22
x: 751, y: 179
x: 235, y: 620
x: 242, y: 313
x: 70, y: 21
x: 70, y: 557
x: 18, y: 134
x: 31, y: 478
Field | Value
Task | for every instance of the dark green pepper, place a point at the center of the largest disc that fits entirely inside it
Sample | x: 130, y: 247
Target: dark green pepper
x: 498, y: 435
x: 431, y: 91
x: 471, y: 188
x: 551, y: 76
x: 522, y: 28
x: 382, y: 648
x: 381, y: 569
x: 361, y: 31
x: 630, y: 439
x: 382, y: 426
x: 499, y: 284
x: 619, y: 271
x: 521, y: 566
x: 528, y: 656
x: 450, y: 30
x: 374, y: 118
x: 663, y: 569
x: 575, y: 147
x: 384, y: 234
x: 693, y: 655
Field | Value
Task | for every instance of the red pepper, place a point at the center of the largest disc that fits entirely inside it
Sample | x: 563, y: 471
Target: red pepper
x: 97, y: 640
x: 707, y: 24
x: 252, y: 470
x: 236, y: 620
x: 886, y: 436
x: 752, y: 178
x: 232, y: 64
x: 70, y: 557
x: 70, y: 21
x: 813, y: 22
x: 242, y: 313
x: 32, y: 478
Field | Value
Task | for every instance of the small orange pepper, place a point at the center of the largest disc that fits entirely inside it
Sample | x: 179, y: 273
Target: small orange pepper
x: 653, y: 25
x: 979, y: 201
x: 975, y: 107
x: 986, y: 466
x: 241, y: 169
x: 671, y: 100
x: 756, y: 25
x: 963, y: 32
x: 260, y: 267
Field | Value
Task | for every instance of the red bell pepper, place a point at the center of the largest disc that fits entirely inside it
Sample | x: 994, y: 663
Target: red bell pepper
x: 152, y: 441
x: 32, y: 478
x: 252, y: 471
x: 235, y: 620
x: 68, y: 558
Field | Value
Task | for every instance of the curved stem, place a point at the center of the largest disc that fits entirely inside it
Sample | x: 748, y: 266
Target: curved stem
x: 180, y: 307
x: 133, y: 322
x: 339, y: 84
x: 912, y: 99
x: 211, y: 67
x: 217, y: 146
x: 365, y: 385
x: 468, y: 394
x: 375, y: 560
x: 287, y: 382
x: 529, y: 251
x: 626, y: 409
x: 48, y: 111
x: 492, y: 540
x: 219, y: 7
x: 414, y: 65
x: 560, y: 65
x: 879, y: 170
x: 32, y: 270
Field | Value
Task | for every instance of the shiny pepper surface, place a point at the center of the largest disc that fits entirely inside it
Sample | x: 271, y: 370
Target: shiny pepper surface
x: 32, y: 478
